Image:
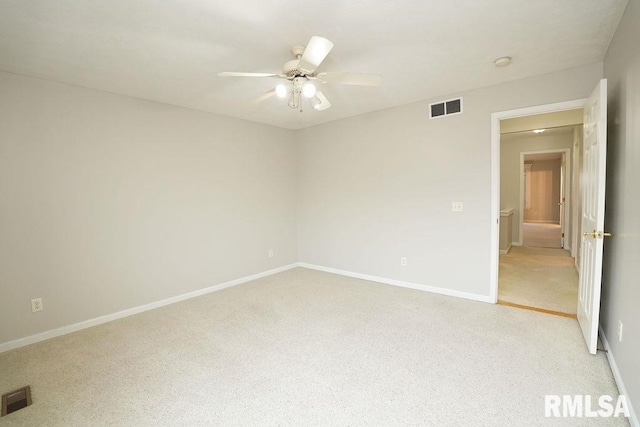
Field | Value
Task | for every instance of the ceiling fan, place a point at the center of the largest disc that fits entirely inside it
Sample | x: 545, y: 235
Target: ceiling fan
x: 302, y: 76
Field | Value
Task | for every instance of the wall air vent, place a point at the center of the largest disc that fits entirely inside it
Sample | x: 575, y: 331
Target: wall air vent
x: 445, y: 108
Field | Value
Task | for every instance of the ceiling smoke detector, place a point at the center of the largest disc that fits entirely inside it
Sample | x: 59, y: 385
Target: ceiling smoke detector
x: 502, y: 62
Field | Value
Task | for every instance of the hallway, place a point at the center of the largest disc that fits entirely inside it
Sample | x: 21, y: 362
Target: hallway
x: 541, y: 278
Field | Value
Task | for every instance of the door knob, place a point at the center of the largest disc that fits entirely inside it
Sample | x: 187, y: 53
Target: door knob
x: 597, y: 234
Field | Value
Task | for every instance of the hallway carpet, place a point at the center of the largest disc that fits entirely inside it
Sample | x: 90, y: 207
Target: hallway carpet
x: 539, y: 277
x: 541, y: 235
x: 310, y: 348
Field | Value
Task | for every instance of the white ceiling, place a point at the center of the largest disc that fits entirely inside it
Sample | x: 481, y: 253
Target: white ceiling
x: 171, y: 51
x: 556, y: 119
x: 517, y: 136
x: 542, y: 156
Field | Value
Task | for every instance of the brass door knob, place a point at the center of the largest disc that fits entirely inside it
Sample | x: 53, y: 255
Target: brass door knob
x: 596, y: 234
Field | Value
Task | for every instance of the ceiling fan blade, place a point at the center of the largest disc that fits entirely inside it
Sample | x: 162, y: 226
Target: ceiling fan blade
x: 237, y: 74
x: 263, y: 97
x: 321, y: 103
x: 358, y: 79
x: 317, y: 49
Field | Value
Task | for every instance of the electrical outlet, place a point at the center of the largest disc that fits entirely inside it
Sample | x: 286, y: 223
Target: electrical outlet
x: 619, y: 331
x: 270, y: 253
x: 403, y: 261
x: 36, y: 305
x: 456, y: 206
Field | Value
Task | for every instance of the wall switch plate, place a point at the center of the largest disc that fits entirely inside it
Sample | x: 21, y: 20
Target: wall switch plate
x: 36, y: 305
x: 270, y: 253
x: 619, y: 331
x: 456, y: 206
x: 403, y: 261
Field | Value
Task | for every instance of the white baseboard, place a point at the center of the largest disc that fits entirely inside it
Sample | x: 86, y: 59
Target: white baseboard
x: 21, y: 342
x: 403, y: 284
x: 633, y: 419
x: 516, y: 244
x: 506, y: 251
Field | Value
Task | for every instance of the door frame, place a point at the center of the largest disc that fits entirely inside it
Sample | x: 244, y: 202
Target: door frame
x: 495, y: 177
x: 563, y: 182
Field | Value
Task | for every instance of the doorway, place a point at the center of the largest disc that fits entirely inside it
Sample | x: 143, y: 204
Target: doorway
x: 545, y: 200
x: 534, y: 150
x: 590, y: 206
x: 538, y: 272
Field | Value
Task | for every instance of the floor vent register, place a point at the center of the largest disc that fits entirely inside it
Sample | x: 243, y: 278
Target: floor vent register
x: 15, y: 400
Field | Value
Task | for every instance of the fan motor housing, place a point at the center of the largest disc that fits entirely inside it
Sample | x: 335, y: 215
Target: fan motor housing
x: 290, y: 68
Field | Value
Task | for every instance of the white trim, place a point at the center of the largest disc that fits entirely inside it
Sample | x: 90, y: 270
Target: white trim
x: 401, y: 283
x: 506, y: 251
x: 495, y: 177
x: 494, y: 241
x: 567, y: 194
x: 32, y: 339
x: 633, y: 419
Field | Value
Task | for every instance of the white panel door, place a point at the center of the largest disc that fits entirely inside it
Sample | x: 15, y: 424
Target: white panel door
x: 593, y: 191
x: 563, y: 172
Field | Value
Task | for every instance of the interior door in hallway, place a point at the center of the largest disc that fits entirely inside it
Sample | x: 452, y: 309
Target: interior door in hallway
x: 593, y: 196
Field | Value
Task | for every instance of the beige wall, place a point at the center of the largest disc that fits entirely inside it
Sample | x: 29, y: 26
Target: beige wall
x: 378, y: 187
x: 620, y: 281
x: 510, y: 151
x: 545, y: 192
x: 109, y: 202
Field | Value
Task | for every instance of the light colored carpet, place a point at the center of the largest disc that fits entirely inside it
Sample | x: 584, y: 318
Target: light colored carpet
x: 310, y: 348
x: 539, y: 277
x: 541, y: 235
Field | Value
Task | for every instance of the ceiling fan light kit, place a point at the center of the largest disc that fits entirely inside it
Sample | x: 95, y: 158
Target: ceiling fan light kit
x: 301, y: 73
x: 294, y: 98
x: 281, y: 91
x: 308, y: 90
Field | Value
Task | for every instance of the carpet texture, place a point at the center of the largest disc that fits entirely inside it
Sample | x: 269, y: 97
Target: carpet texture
x: 539, y: 277
x: 310, y: 348
x: 541, y: 235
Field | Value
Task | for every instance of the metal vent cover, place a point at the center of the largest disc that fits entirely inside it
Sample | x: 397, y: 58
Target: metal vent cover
x: 445, y: 108
x: 17, y: 399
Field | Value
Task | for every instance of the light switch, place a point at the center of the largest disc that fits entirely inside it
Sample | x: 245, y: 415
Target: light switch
x: 456, y: 206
